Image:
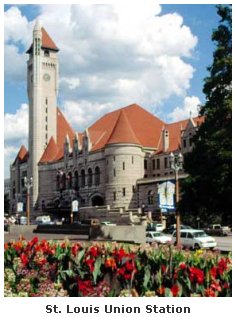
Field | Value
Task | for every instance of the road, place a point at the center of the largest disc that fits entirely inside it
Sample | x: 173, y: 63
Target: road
x: 223, y: 243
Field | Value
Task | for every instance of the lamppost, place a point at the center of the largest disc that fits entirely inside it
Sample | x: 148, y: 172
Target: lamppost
x: 28, y: 183
x: 176, y: 164
x: 71, y: 195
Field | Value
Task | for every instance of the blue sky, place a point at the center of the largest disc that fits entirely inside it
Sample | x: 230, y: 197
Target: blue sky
x: 110, y: 57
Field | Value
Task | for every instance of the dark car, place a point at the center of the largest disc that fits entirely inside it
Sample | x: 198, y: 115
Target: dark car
x: 172, y: 228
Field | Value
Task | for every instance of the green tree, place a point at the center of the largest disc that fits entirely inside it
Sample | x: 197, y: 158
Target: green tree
x: 207, y: 192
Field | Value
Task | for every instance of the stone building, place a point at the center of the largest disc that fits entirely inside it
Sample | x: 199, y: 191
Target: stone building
x: 119, y: 160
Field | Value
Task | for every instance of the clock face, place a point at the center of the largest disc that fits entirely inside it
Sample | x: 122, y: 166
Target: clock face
x: 46, y: 77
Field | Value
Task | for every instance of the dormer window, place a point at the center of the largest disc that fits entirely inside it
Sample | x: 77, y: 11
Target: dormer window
x: 46, y: 53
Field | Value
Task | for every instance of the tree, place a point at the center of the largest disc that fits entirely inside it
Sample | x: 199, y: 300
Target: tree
x: 208, y: 189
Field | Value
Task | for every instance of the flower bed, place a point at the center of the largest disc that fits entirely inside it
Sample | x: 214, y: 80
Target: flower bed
x: 47, y: 268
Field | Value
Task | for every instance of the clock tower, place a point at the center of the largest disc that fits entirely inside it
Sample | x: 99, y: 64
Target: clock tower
x: 42, y: 86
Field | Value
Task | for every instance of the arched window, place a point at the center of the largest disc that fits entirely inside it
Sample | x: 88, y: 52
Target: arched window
x: 83, y: 180
x: 89, y: 177
x: 97, y: 176
x: 63, y: 183
x: 150, y: 197
x: 58, y: 182
x: 69, y: 179
x: 76, y: 184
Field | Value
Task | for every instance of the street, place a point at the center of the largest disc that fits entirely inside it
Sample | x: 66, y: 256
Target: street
x: 223, y: 243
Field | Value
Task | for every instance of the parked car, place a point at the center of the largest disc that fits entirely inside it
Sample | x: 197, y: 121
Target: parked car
x: 217, y: 230
x: 155, y: 227
x: 195, y: 239
x: 156, y: 236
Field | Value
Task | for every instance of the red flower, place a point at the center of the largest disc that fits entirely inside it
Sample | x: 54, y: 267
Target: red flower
x: 196, y: 275
x: 5, y: 246
x: 163, y: 267
x: 209, y: 292
x: 213, y: 272
x: 94, y: 251
x: 75, y: 248
x: 175, y: 290
x: 216, y: 286
x: 110, y: 262
x: 90, y: 263
x: 24, y: 259
x: 161, y: 290
x: 127, y: 276
x: 85, y: 287
x: 222, y: 266
x: 119, y: 254
x: 183, y: 266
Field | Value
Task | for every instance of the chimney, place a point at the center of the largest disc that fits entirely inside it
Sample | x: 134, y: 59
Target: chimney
x: 165, y: 140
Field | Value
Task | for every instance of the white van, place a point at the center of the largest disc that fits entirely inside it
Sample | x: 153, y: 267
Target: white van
x: 195, y: 239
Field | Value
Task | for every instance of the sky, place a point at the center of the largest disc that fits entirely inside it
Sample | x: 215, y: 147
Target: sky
x: 110, y: 56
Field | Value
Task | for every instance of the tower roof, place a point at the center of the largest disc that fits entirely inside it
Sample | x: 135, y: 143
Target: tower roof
x: 122, y: 131
x: 47, y: 42
x: 22, y: 155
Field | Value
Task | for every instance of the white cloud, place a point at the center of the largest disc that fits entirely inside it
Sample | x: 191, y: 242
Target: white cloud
x: 16, y: 125
x: 84, y: 113
x: 190, y: 106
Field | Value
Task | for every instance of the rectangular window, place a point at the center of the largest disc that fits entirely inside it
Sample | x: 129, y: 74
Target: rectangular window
x: 166, y: 162
x: 114, y: 157
x: 133, y: 188
x: 46, y: 127
x: 46, y: 101
x: 132, y: 159
x: 124, y: 192
x: 153, y: 164
x: 114, y: 196
x: 46, y: 109
x: 46, y: 136
x: 114, y: 172
x: 123, y: 166
x: 145, y: 164
x: 158, y: 164
x: 46, y: 118
x: 184, y: 143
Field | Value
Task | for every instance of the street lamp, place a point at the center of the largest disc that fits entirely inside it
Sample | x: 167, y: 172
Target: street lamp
x: 71, y: 195
x: 28, y: 183
x: 176, y: 164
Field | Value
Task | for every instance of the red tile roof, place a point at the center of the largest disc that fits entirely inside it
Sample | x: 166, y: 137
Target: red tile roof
x: 122, y: 131
x: 47, y: 42
x: 22, y: 155
x: 55, y: 150
x: 131, y: 124
x: 175, y: 129
x: 140, y: 126
x: 63, y: 129
x: 50, y: 152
